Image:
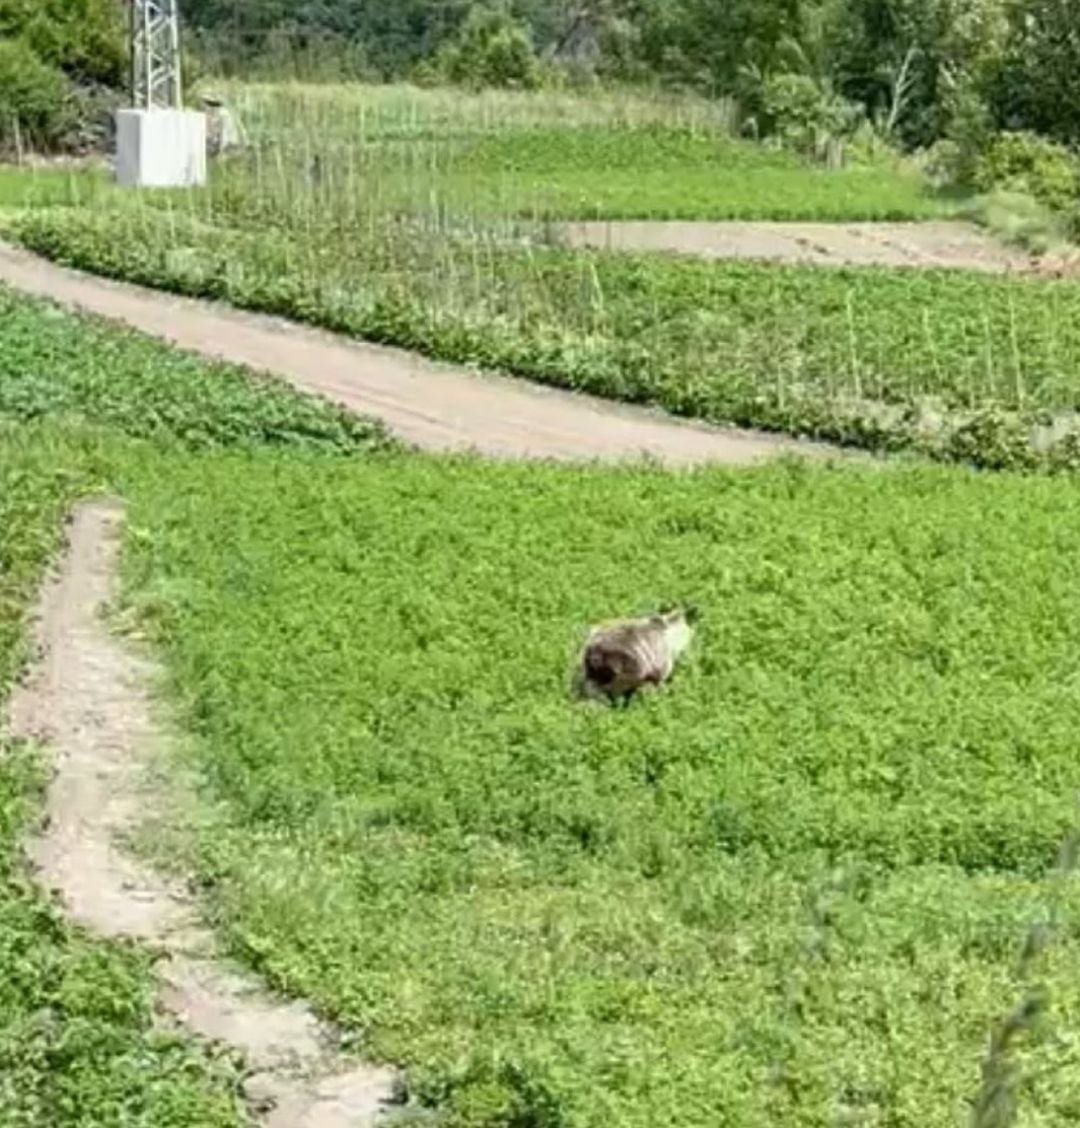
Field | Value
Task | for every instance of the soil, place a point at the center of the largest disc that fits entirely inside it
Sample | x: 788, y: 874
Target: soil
x: 87, y: 700
x: 944, y: 244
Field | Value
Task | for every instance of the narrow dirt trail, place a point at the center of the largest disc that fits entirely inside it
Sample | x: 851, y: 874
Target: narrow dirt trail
x: 436, y: 407
x: 87, y: 700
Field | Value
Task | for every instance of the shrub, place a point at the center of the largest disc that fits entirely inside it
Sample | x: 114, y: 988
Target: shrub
x: 1025, y: 162
x: 491, y: 50
x: 36, y: 105
x: 83, y: 38
x: 953, y: 160
x: 803, y: 115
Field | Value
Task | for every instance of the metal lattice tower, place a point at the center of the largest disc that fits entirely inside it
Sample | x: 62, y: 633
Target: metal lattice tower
x: 155, y: 54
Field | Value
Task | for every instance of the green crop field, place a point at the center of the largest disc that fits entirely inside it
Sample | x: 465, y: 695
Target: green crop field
x: 795, y: 888
x: 401, y: 216
x: 544, y: 155
x: 526, y: 156
x: 960, y: 365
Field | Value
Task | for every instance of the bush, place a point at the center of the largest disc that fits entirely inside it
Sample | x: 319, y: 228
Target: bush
x: 953, y: 160
x: 1025, y: 162
x: 83, y: 38
x: 802, y: 115
x: 36, y: 105
x: 491, y: 50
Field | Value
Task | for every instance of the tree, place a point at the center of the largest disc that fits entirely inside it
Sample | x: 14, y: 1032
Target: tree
x: 491, y: 50
x: 917, y: 60
x: 1038, y: 83
x: 83, y: 38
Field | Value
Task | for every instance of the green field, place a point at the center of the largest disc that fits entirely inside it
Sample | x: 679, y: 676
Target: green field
x: 662, y: 173
x: 489, y: 158
x: 958, y: 365
x: 803, y: 885
x: 420, y: 219
x: 78, y: 1048
x: 548, y: 156
x: 793, y: 888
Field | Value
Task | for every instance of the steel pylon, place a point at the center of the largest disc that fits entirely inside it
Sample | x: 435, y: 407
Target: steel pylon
x: 155, y: 54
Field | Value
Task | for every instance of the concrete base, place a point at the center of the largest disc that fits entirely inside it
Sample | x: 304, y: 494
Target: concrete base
x: 160, y: 148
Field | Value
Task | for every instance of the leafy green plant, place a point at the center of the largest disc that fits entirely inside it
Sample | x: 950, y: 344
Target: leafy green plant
x: 52, y: 365
x: 490, y: 50
x: 36, y: 106
x: 1026, y: 162
x: 802, y: 872
x: 802, y: 115
x: 85, y: 39
x: 78, y: 1040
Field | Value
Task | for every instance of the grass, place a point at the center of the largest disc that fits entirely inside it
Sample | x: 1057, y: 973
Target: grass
x: 962, y: 366
x: 529, y: 156
x: 90, y: 372
x: 660, y: 173
x: 30, y: 187
x: 544, y: 156
x: 591, y: 172
x: 78, y: 1044
x: 568, y: 156
x: 791, y: 890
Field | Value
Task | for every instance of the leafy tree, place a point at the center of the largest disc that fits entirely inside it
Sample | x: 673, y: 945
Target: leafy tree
x: 491, y: 50
x: 83, y: 38
x: 1038, y: 84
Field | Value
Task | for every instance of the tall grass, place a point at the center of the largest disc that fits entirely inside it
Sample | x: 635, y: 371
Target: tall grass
x: 553, y: 154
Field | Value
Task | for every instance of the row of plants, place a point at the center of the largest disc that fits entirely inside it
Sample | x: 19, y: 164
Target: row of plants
x: 961, y: 366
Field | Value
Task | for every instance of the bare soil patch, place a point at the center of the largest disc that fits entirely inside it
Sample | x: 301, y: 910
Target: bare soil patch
x: 87, y: 700
x: 945, y: 244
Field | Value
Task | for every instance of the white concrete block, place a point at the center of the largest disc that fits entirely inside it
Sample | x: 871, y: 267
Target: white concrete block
x: 160, y: 148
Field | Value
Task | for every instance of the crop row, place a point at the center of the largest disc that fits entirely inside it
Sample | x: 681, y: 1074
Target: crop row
x: 962, y: 366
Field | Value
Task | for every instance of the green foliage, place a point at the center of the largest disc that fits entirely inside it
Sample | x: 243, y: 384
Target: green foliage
x: 906, y: 64
x: 803, y: 872
x: 84, y: 371
x: 83, y: 38
x: 1037, y: 85
x: 491, y: 50
x: 36, y: 104
x: 802, y: 115
x: 666, y: 173
x: 79, y: 1043
x: 1025, y: 162
x: 877, y: 358
x: 915, y: 60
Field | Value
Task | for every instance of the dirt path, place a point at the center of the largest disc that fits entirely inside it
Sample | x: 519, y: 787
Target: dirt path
x: 434, y: 406
x: 87, y: 699
x: 944, y: 244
